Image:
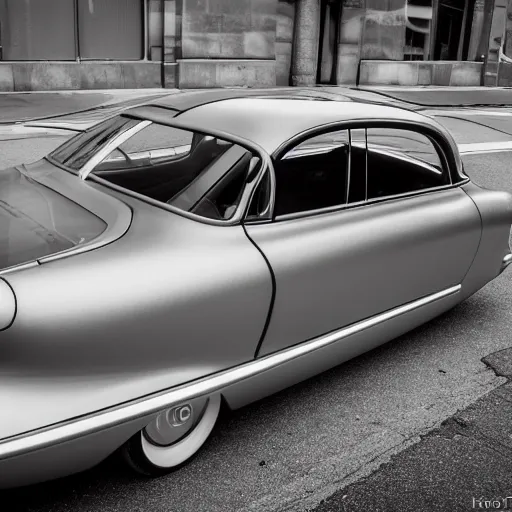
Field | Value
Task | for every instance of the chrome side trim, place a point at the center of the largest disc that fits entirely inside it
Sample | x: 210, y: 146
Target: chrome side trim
x: 21, y: 266
x: 507, y: 260
x: 155, y: 403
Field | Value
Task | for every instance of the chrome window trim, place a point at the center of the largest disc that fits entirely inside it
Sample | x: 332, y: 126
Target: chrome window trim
x: 267, y: 214
x: 435, y: 132
x: 349, y: 168
x: 109, y: 147
x: 153, y: 404
x: 368, y: 202
x: 345, y: 125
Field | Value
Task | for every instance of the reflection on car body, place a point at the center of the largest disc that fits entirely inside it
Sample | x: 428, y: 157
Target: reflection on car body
x: 194, y: 251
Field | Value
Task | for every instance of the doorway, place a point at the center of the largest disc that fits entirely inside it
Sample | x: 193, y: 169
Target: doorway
x: 454, y: 19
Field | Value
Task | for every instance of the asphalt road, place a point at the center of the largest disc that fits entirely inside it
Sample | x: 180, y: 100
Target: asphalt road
x: 292, y: 450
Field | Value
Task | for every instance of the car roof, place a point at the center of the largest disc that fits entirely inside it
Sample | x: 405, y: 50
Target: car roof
x: 185, y: 100
x: 271, y: 122
x: 270, y: 117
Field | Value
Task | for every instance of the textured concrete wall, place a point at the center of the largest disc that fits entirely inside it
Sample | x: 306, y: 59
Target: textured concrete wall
x: 47, y: 76
x: 239, y: 29
x: 351, y: 31
x: 285, y: 21
x: 408, y: 73
x: 205, y: 73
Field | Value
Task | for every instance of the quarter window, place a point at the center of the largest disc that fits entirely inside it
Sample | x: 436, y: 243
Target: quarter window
x: 78, y: 150
x: 402, y: 161
x: 313, y: 175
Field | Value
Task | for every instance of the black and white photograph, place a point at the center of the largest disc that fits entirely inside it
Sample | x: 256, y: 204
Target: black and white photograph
x: 254, y: 255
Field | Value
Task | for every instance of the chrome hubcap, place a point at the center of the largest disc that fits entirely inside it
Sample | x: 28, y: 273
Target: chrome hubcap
x: 172, y: 425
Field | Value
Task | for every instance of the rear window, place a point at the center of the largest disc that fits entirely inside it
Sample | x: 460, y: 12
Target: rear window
x: 36, y: 221
x: 78, y: 150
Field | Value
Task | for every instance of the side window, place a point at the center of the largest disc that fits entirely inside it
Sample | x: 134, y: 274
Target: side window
x: 402, y: 161
x: 313, y: 175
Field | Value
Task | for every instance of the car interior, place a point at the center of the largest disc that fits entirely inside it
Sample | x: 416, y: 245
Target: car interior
x: 311, y: 182
x: 207, y: 180
x: 389, y: 175
x: 319, y: 180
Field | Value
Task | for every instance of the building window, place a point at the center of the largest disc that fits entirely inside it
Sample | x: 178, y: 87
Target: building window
x: 85, y: 30
x: 415, y: 45
x: 438, y: 29
x: 419, y: 15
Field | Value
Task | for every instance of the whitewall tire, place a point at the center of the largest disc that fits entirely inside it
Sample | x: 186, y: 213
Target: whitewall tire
x: 173, y: 438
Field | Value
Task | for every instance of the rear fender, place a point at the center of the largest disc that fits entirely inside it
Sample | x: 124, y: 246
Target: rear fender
x: 495, y: 209
x: 7, y: 305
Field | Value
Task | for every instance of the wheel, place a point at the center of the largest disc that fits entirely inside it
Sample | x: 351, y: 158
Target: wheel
x: 173, y: 437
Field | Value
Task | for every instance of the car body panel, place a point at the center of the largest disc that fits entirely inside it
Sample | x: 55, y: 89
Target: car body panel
x: 250, y: 381
x: 337, y: 268
x: 495, y: 209
x: 300, y: 369
x: 88, y: 451
x: 116, y: 214
x: 111, y: 325
x: 165, y: 307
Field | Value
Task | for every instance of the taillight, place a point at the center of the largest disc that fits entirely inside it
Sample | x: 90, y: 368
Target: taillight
x: 7, y: 305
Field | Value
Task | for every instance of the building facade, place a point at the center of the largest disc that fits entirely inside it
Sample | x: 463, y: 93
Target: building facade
x: 92, y: 44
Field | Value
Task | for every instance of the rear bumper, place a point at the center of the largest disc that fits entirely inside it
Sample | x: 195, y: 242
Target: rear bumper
x: 507, y: 260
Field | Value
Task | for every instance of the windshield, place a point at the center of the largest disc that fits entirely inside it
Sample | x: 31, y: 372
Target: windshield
x: 36, y: 221
x: 77, y: 151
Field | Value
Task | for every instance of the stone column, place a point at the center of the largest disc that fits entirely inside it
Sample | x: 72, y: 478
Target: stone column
x: 306, y: 40
x: 171, y: 41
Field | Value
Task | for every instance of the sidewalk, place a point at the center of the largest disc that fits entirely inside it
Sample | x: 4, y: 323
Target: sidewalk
x: 28, y: 106
x: 432, y: 96
x: 465, y: 464
x: 32, y: 106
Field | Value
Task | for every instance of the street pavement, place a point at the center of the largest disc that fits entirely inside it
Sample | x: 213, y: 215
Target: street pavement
x: 464, y: 464
x: 367, y: 435
x: 25, y: 106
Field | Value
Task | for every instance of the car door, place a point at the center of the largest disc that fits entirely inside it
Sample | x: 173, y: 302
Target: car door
x: 364, y: 221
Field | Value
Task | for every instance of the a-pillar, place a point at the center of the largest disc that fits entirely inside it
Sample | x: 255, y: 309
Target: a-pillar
x: 306, y: 41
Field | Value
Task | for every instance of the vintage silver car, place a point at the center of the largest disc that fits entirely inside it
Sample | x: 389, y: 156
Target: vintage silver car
x: 216, y: 247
